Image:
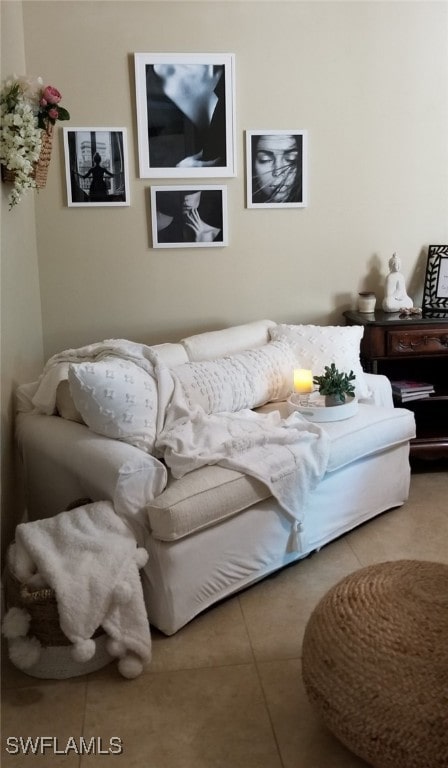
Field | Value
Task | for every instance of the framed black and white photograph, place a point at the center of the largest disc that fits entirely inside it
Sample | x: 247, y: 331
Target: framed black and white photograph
x: 185, y: 114
x: 435, y: 293
x: 96, y: 166
x: 276, y: 170
x: 189, y: 217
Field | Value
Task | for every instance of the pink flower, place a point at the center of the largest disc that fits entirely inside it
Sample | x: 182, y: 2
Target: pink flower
x: 43, y: 103
x: 51, y: 95
x: 53, y: 113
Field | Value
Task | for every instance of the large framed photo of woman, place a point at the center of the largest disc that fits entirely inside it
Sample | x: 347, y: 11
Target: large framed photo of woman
x: 189, y: 216
x: 96, y: 166
x: 185, y: 114
x: 276, y: 172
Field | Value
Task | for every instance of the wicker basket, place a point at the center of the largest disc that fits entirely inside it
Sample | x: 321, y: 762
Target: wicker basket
x: 8, y: 176
x: 56, y: 661
x: 42, y: 607
x: 40, y: 171
x: 41, y: 167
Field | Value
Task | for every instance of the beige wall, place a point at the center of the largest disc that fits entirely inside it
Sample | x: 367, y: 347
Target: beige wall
x: 369, y: 81
x: 21, y: 326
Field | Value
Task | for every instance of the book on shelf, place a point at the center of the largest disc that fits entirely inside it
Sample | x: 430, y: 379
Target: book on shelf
x: 412, y: 396
x: 408, y: 387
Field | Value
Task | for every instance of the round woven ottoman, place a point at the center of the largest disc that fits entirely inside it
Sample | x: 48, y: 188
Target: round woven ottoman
x: 375, y: 663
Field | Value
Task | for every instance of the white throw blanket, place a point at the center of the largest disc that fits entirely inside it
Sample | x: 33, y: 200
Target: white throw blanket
x: 90, y: 558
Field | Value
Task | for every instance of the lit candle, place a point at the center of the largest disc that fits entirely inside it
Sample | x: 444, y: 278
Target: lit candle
x: 303, y: 381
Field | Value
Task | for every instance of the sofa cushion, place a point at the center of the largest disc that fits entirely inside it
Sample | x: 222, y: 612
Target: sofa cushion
x: 317, y: 346
x: 211, y: 494
x: 208, y: 346
x: 200, y: 499
x: 116, y: 398
x: 244, y: 380
x: 372, y: 430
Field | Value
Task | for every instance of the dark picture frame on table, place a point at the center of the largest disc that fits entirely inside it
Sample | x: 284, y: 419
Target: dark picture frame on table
x: 277, y: 169
x: 435, y: 292
x: 96, y: 167
x: 185, y: 114
x: 189, y: 216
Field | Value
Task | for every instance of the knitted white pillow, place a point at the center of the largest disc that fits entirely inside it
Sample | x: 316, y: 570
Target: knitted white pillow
x: 244, y: 380
x: 116, y: 398
x: 316, y: 346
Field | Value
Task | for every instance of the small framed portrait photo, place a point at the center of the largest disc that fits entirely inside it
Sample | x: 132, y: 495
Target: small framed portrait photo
x: 96, y: 166
x: 276, y: 169
x: 185, y: 114
x: 189, y: 217
x: 435, y: 293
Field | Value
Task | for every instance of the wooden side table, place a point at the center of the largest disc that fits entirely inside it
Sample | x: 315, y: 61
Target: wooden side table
x: 414, y: 348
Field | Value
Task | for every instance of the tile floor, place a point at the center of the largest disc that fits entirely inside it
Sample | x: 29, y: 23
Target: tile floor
x: 226, y: 691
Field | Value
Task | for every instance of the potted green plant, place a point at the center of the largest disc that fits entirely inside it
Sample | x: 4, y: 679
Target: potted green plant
x: 335, y: 385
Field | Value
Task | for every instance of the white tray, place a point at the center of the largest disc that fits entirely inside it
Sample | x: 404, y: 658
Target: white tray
x: 316, y: 410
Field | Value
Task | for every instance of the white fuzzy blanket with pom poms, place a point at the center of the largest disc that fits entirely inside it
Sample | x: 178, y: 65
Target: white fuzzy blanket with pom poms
x: 90, y: 558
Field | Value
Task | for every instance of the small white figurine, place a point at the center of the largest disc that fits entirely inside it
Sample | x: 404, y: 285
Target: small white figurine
x: 395, y: 297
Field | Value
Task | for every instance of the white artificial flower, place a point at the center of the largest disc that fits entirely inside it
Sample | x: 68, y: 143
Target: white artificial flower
x: 20, y: 136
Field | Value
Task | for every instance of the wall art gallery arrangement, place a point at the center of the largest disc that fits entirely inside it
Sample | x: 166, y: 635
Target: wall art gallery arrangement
x: 185, y: 105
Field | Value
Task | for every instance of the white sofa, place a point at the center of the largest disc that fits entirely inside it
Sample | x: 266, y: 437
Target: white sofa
x: 216, y: 530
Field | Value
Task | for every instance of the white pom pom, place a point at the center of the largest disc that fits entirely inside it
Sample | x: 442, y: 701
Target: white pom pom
x: 115, y: 648
x: 83, y: 650
x: 130, y: 666
x: 141, y: 557
x: 24, y: 651
x: 123, y: 592
x: 16, y: 623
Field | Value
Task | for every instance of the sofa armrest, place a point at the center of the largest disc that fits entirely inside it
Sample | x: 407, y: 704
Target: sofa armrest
x: 381, y: 390
x: 64, y: 461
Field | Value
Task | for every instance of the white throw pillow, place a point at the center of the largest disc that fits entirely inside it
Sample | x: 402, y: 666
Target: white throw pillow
x: 244, y: 380
x: 228, y: 341
x: 116, y: 398
x: 316, y: 346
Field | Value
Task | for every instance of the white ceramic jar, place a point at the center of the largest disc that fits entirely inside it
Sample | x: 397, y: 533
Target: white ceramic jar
x: 366, y: 302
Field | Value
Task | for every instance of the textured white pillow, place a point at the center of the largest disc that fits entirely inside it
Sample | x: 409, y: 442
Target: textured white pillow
x: 316, y: 346
x: 117, y: 399
x: 243, y: 380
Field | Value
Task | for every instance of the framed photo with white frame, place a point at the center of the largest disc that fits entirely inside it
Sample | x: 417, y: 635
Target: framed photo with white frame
x: 185, y: 114
x: 276, y: 169
x: 189, y: 216
x: 96, y: 167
